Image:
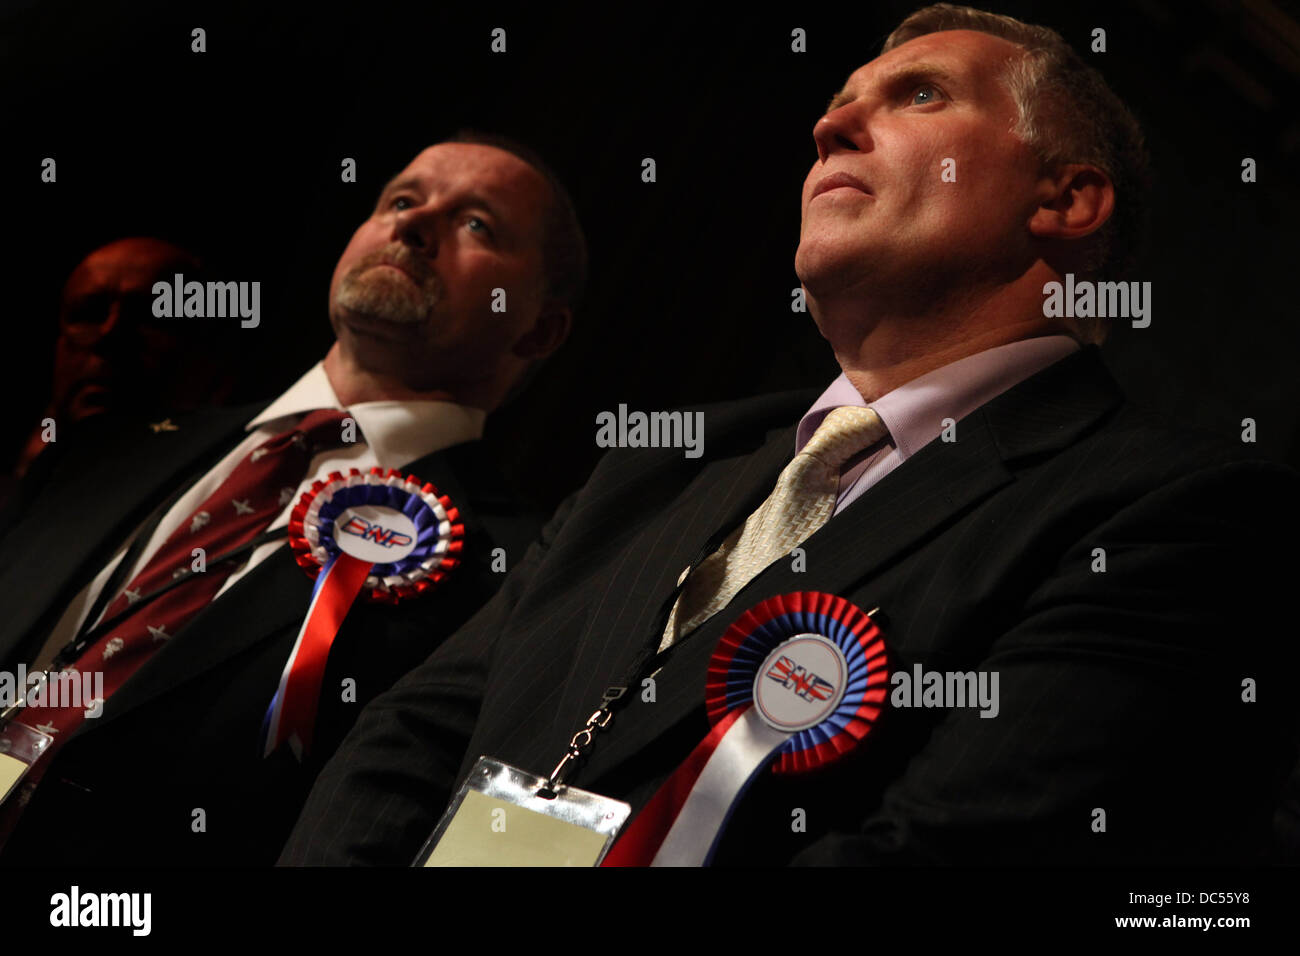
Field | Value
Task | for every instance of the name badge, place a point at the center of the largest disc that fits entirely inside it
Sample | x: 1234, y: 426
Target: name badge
x: 20, y: 747
x: 497, y: 818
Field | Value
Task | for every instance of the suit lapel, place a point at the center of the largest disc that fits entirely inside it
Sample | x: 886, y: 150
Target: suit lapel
x: 268, y: 600
x: 98, y: 498
x: 938, y: 483
x: 626, y: 613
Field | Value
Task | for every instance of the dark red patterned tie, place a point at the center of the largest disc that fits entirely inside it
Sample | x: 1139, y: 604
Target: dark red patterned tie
x: 240, y: 509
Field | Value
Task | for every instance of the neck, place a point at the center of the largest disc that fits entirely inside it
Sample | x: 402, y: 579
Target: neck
x: 354, y: 384
x: 880, y: 349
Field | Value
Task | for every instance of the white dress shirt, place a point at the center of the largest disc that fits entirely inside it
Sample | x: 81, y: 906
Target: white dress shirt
x: 391, y: 434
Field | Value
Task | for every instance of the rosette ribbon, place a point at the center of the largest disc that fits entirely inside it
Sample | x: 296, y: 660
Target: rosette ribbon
x: 379, y: 533
x: 795, y: 683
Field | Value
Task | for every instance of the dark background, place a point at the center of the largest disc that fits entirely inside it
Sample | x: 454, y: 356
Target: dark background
x: 235, y: 153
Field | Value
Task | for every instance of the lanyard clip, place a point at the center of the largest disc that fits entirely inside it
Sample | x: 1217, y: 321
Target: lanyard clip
x: 580, y: 743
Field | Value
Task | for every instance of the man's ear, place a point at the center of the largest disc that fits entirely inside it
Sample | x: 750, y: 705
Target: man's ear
x: 1075, y: 201
x: 547, y: 334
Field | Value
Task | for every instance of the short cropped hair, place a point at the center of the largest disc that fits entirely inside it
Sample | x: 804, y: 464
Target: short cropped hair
x: 1066, y: 114
x: 564, y: 247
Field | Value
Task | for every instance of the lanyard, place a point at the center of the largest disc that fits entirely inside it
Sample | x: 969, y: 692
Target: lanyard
x: 648, y: 662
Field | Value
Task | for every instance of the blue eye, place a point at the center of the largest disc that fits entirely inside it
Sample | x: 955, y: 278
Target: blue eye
x: 482, y: 226
x: 922, y: 89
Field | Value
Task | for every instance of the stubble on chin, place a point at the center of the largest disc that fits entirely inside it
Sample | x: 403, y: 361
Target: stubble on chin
x: 388, y: 295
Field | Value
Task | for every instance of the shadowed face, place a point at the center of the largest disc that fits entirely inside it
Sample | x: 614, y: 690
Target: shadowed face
x: 878, y: 211
x: 413, y: 293
x: 111, y: 352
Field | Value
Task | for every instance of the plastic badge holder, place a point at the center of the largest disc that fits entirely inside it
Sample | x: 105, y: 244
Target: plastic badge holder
x: 497, y: 818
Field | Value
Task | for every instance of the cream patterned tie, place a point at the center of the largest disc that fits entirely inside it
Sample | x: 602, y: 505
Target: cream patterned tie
x: 803, y: 501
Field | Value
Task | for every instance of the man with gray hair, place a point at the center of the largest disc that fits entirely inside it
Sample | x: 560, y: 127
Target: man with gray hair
x: 757, y: 651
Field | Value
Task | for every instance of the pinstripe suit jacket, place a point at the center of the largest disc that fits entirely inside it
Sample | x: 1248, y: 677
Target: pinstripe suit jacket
x: 1120, y: 690
x: 184, y: 731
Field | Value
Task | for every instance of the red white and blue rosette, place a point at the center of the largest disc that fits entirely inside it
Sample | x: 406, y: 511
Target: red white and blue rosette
x: 390, y: 536
x: 795, y: 683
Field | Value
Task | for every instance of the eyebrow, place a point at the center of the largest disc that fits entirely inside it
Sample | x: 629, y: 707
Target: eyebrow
x: 911, y: 73
x: 470, y: 199
x: 396, y: 183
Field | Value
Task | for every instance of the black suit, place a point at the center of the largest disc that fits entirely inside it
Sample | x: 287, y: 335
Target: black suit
x: 1119, y: 690
x: 182, y: 733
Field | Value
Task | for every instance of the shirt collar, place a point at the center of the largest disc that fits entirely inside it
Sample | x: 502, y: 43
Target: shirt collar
x: 397, y: 432
x: 914, y: 411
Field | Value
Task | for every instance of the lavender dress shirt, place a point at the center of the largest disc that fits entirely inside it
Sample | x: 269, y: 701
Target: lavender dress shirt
x: 914, y: 412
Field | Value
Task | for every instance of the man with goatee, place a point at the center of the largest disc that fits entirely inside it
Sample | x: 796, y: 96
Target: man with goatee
x: 175, y: 563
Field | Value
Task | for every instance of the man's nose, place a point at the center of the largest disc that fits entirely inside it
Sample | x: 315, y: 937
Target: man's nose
x: 418, y: 228
x: 111, y: 322
x: 843, y: 128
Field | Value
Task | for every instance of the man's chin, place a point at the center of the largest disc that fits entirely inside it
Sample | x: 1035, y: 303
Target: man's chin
x: 828, y: 280
x: 818, y: 261
x: 387, y: 326
x: 89, y: 401
x: 379, y: 345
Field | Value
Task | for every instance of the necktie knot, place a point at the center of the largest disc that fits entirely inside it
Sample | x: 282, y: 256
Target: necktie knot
x: 324, y: 428
x: 319, y: 430
x: 802, y: 501
x: 843, y: 433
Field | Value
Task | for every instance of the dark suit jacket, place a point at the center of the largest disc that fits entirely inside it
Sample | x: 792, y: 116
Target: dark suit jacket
x: 1120, y: 690
x: 182, y: 733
